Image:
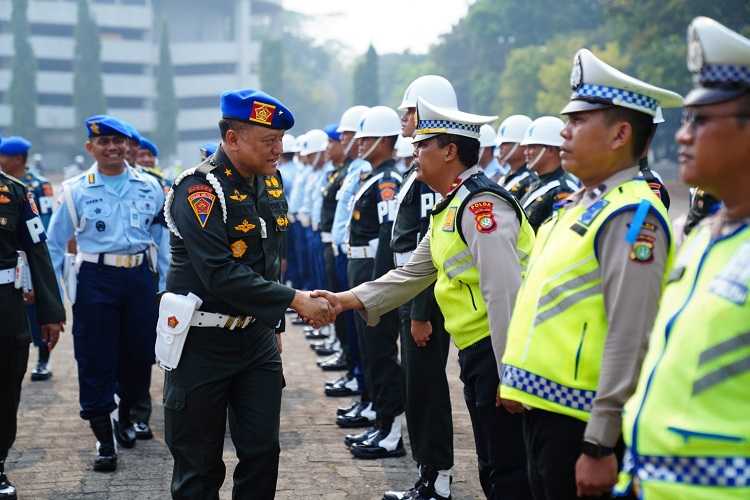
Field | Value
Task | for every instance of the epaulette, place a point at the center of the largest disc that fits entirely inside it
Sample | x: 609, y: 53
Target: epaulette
x: 10, y: 177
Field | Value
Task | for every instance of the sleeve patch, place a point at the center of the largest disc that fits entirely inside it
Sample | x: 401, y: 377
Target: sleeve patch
x: 642, y: 251
x: 202, y: 203
x: 483, y: 216
x: 388, y: 190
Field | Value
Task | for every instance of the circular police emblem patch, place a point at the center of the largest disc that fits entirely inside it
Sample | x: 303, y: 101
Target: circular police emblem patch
x: 100, y: 226
x: 642, y: 251
x: 576, y: 74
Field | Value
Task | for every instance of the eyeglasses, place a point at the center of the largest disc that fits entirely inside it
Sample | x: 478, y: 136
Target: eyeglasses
x: 694, y: 120
x: 106, y: 140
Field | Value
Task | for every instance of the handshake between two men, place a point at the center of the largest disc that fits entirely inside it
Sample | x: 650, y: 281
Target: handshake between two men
x: 320, y: 307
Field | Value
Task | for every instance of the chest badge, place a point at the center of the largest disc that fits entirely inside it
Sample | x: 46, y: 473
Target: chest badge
x: 449, y: 224
x: 282, y: 222
x: 237, y: 196
x: 239, y: 248
x: 245, y: 227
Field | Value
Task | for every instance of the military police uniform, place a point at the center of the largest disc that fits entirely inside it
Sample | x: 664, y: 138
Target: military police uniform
x: 686, y: 425
x: 227, y: 236
x: 113, y: 219
x: 544, y: 193
x: 593, y: 285
x: 518, y: 182
x: 474, y: 252
x: 21, y: 230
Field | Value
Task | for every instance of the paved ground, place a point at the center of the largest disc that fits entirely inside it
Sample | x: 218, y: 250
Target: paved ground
x: 52, y: 455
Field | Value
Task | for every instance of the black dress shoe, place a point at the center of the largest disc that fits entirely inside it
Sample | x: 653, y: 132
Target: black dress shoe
x: 338, y: 381
x: 143, y: 431
x: 327, y: 350
x: 106, y: 458
x: 336, y: 363
x: 362, y: 416
x: 424, y: 488
x: 299, y: 321
x: 125, y: 434
x: 386, y: 443
x: 348, y: 388
x: 343, y: 410
x: 7, y: 490
x: 351, y: 439
x: 41, y: 372
x: 316, y: 335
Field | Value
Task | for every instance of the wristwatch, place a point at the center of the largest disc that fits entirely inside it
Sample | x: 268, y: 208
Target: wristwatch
x: 595, y: 450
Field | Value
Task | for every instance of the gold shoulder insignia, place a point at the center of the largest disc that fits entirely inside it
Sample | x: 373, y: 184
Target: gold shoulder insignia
x: 237, y: 196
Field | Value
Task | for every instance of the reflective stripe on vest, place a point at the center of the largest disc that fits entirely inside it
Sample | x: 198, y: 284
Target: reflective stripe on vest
x: 559, y: 326
x: 724, y: 472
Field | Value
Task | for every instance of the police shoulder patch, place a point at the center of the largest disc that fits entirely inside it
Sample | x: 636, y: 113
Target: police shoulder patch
x: 642, y: 251
x: 483, y: 216
x: 202, y: 203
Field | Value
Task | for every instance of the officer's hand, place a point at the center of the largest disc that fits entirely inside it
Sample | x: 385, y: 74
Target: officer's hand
x: 421, y: 332
x: 315, y: 310
x: 28, y: 297
x: 51, y: 334
x: 595, y: 476
x: 340, y: 302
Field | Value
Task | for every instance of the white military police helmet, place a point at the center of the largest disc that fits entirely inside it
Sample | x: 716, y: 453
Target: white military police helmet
x: 432, y: 88
x: 435, y: 120
x: 486, y: 136
x: 316, y: 141
x: 404, y: 147
x: 351, y: 118
x: 289, y: 144
x: 379, y: 121
x: 545, y: 131
x: 597, y: 85
x: 513, y: 129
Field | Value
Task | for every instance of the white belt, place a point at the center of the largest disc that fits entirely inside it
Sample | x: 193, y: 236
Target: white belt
x: 8, y: 276
x: 361, y: 253
x: 113, y: 259
x: 401, y: 258
x: 326, y: 237
x: 215, y: 320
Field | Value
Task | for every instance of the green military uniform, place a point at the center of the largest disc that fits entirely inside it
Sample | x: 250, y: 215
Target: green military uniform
x: 21, y: 229
x: 228, y: 232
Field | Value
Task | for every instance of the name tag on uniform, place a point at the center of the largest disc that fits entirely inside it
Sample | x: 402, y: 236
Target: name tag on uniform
x: 135, y: 218
x: 732, y: 282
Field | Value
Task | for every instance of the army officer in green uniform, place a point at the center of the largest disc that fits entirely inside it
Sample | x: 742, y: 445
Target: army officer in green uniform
x: 228, y: 217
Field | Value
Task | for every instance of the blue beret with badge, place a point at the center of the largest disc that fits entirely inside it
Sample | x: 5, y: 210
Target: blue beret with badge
x: 332, y: 132
x: 14, y: 145
x: 597, y: 85
x: 719, y: 59
x: 147, y: 144
x: 208, y: 149
x: 256, y: 107
x: 99, y: 125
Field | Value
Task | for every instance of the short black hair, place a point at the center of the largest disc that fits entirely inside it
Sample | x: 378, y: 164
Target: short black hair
x: 642, y: 124
x: 227, y: 124
x: 468, y: 148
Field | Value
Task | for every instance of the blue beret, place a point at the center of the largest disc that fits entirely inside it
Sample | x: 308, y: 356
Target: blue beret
x: 256, y: 107
x: 332, y: 133
x: 107, y: 125
x: 14, y: 145
x: 134, y: 134
x: 146, y: 144
x: 209, y: 148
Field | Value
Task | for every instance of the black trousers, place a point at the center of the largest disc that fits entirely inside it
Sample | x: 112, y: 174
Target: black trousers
x: 238, y: 371
x: 379, y: 350
x: 14, y: 356
x: 428, y: 400
x: 553, y: 445
x: 497, y: 433
x: 335, y: 284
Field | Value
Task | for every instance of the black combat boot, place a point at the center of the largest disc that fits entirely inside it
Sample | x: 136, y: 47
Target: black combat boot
x: 106, y: 453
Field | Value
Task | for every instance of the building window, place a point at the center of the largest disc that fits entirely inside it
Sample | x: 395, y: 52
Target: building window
x: 203, y: 135
x: 62, y: 30
x: 123, y: 68
x: 126, y: 102
x: 199, y: 102
x: 205, y: 69
x: 55, y: 100
x: 55, y: 65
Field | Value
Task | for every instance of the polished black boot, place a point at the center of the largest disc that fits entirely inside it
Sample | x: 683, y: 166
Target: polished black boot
x: 7, y: 490
x: 124, y: 430
x: 106, y: 453
x: 360, y: 416
x: 431, y: 485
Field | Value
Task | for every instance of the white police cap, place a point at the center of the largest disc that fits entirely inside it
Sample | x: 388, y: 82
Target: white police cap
x: 434, y: 120
x: 719, y: 59
x: 597, y: 85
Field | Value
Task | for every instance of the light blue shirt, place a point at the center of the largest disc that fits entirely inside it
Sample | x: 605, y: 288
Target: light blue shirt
x: 288, y: 171
x: 345, y: 195
x: 493, y: 169
x: 310, y: 187
x: 298, y: 189
x: 110, y: 222
x: 317, y: 194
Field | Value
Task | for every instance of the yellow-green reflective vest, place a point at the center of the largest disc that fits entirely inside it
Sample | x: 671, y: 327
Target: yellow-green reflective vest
x: 457, y: 289
x: 559, y: 326
x: 688, y: 424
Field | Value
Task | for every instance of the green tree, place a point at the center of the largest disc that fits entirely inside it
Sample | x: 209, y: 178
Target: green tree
x: 366, y: 89
x: 88, y: 90
x: 22, y: 95
x: 166, y: 106
x: 272, y: 67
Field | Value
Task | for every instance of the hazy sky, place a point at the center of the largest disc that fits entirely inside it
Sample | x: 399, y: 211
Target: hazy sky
x: 391, y: 25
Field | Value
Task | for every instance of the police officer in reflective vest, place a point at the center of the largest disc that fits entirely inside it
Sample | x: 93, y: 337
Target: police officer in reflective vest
x: 14, y: 152
x: 112, y: 211
x: 474, y: 252
x: 590, y: 295
x: 553, y: 184
x: 21, y: 230
x: 513, y: 155
x: 686, y: 426
x: 228, y: 217
x: 424, y: 341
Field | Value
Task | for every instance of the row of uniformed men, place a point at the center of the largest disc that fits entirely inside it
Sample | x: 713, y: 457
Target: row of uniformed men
x: 555, y: 325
